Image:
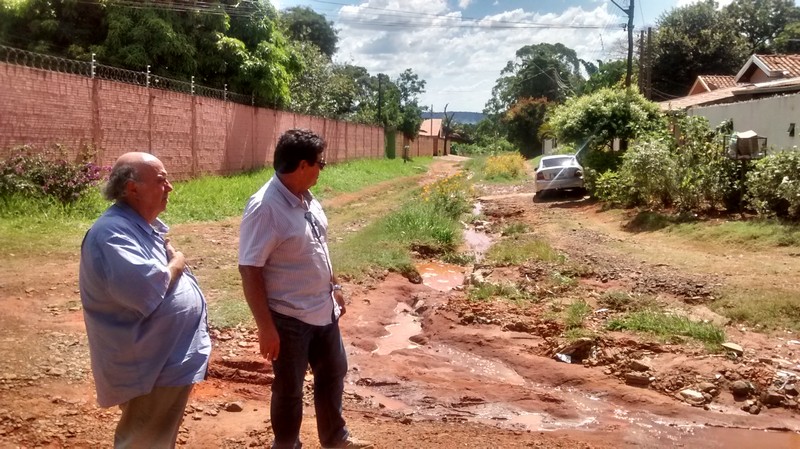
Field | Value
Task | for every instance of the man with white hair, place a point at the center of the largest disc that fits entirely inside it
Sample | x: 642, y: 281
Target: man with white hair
x: 144, y: 312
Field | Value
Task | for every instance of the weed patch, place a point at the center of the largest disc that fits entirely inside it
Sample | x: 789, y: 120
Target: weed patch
x: 666, y: 326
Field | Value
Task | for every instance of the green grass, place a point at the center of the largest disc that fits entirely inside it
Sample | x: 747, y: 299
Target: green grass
x: 753, y: 233
x: 33, y: 226
x: 575, y: 313
x: 355, y: 175
x: 521, y: 248
x: 387, y: 243
x: 622, y: 301
x: 770, y: 310
x: 507, y: 291
x: 763, y: 233
x: 515, y: 228
x: 667, y: 326
x: 230, y: 311
x: 213, y: 198
x: 477, y: 166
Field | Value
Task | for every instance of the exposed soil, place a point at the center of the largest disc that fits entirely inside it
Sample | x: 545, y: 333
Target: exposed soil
x: 430, y: 368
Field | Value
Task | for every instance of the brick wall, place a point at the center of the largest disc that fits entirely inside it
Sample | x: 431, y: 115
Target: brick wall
x: 192, y: 135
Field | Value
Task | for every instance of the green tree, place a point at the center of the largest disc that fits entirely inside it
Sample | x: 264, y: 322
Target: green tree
x: 138, y: 37
x: 761, y: 21
x: 409, y: 86
x: 321, y: 88
x: 523, y: 121
x: 550, y: 71
x: 694, y: 40
x: 606, y: 74
x: 59, y: 27
x: 788, y: 40
x: 304, y: 24
x: 246, y: 51
x: 603, y: 116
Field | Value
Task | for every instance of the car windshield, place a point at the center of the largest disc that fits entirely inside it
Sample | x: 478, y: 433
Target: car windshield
x: 558, y: 162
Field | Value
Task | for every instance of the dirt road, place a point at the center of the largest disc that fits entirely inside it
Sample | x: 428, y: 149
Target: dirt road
x: 430, y: 368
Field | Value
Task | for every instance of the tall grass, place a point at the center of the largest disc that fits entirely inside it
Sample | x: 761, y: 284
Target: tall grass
x: 576, y: 312
x: 213, y: 198
x: 768, y: 309
x: 499, y: 169
x: 507, y: 291
x: 667, y: 325
x: 520, y: 248
x: 759, y: 233
x: 426, y: 224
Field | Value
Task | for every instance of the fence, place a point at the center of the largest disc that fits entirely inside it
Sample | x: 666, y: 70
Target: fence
x: 193, y: 129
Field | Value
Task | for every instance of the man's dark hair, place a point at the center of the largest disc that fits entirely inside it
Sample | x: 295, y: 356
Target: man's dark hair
x: 297, y: 145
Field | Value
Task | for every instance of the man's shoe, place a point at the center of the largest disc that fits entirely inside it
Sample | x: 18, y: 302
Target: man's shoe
x: 351, y: 443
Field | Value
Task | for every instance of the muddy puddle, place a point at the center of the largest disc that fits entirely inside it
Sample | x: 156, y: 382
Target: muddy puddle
x: 441, y: 276
x: 495, y: 394
x: 556, y: 409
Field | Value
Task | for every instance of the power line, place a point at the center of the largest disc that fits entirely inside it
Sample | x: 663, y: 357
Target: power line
x: 245, y: 8
x: 476, y: 21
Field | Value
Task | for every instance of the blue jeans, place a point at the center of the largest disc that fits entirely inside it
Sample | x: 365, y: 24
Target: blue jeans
x: 321, y: 347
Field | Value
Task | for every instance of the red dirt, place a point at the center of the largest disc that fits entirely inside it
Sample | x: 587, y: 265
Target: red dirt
x: 430, y: 368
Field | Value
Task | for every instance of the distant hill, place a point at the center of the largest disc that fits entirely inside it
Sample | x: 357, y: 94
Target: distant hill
x: 458, y: 117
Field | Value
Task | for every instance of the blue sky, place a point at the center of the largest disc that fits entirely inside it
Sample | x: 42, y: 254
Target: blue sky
x: 459, y: 47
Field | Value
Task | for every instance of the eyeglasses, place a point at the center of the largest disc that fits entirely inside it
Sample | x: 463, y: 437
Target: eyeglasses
x: 322, y: 164
x: 312, y: 220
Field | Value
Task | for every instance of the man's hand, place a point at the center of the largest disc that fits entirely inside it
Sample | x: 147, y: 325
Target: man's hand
x: 338, y: 295
x: 176, y: 262
x: 269, y: 342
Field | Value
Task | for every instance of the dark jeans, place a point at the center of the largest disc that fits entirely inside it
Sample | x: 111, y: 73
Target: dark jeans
x: 321, y: 347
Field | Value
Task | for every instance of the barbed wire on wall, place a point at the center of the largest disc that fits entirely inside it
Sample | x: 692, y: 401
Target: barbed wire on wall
x: 26, y: 58
x: 92, y: 69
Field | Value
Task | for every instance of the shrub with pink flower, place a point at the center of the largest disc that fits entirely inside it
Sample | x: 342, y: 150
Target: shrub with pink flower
x: 47, y: 172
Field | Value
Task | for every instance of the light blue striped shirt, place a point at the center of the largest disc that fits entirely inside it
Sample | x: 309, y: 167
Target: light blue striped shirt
x: 278, y: 234
x: 141, y: 335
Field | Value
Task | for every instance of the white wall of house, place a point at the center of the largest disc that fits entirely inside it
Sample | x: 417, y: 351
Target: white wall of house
x: 769, y: 117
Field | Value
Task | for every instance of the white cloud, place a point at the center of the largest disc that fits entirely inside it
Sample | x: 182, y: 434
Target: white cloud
x: 461, y: 64
x: 464, y: 4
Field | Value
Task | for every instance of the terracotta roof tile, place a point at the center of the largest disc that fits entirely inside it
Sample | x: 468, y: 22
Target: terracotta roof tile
x: 712, y: 97
x: 430, y: 127
x: 714, y: 82
x: 789, y: 64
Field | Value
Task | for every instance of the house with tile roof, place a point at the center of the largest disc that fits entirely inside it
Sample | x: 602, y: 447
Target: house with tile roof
x: 761, y: 76
x: 431, y: 127
x: 764, y: 96
x: 709, y: 83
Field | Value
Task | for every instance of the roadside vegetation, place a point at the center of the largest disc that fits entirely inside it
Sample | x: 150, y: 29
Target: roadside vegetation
x: 405, y: 222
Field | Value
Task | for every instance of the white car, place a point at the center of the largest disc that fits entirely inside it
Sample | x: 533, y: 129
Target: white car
x: 560, y: 172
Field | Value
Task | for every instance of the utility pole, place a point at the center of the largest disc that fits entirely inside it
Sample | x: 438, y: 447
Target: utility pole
x: 380, y: 100
x: 431, y: 119
x: 641, y: 62
x: 629, y: 12
x: 649, y: 75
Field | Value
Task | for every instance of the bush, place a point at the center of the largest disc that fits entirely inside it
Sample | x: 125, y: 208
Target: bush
x: 773, y: 186
x: 600, y: 160
x: 32, y: 172
x: 505, y: 166
x: 649, y: 168
x: 450, y: 196
x: 706, y: 177
x: 484, y: 147
x: 609, y: 187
